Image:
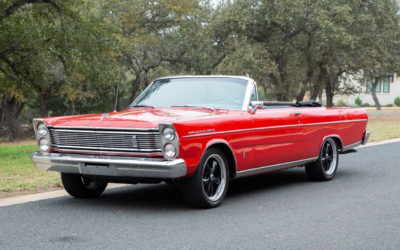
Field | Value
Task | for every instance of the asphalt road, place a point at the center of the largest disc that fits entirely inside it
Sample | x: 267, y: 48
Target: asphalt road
x: 359, y: 209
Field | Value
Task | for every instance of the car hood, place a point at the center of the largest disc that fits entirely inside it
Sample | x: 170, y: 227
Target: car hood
x: 132, y: 118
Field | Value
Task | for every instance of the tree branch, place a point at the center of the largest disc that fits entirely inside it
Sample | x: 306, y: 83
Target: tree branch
x: 17, y: 4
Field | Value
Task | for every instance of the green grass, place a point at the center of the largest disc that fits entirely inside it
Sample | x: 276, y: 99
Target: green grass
x: 19, y: 175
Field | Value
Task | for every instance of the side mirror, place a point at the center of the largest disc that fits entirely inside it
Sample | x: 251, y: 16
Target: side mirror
x: 256, y: 105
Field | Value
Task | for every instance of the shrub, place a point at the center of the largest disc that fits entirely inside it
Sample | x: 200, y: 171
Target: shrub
x: 367, y: 104
x: 389, y: 105
x: 358, y: 101
x: 397, y: 101
x: 340, y: 103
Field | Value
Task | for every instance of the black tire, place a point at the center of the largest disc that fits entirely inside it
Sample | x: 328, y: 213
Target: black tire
x: 82, y: 187
x: 208, y: 186
x: 172, y: 183
x: 324, y: 169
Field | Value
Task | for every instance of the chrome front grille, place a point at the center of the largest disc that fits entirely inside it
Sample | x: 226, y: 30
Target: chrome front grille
x: 106, y: 140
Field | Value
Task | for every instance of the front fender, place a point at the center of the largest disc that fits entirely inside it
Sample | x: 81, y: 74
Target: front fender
x: 192, y: 159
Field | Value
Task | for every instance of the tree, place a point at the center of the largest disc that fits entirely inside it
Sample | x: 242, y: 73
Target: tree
x: 354, y: 36
x: 147, y: 32
x: 63, y: 47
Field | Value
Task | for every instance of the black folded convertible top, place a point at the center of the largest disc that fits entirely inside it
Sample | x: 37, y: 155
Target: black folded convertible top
x: 294, y: 104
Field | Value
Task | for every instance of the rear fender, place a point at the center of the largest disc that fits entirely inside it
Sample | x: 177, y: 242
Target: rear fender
x: 337, y: 138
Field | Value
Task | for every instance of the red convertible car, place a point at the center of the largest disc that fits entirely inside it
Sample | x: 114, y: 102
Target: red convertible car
x: 198, y: 132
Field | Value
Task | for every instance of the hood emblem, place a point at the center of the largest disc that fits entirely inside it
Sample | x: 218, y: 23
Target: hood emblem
x: 104, y: 114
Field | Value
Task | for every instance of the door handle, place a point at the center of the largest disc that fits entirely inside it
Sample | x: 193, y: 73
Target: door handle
x: 295, y: 114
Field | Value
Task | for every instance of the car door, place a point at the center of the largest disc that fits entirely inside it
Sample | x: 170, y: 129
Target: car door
x: 278, y: 136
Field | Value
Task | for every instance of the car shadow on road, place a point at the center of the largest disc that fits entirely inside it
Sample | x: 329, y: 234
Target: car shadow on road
x: 161, y: 196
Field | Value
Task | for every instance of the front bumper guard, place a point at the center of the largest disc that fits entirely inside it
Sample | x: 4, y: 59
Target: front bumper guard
x: 109, y: 165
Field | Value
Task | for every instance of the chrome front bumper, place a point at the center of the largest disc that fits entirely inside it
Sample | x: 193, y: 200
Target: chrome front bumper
x: 109, y: 165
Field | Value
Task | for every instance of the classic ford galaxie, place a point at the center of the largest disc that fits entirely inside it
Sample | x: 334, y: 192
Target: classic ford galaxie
x: 198, y: 132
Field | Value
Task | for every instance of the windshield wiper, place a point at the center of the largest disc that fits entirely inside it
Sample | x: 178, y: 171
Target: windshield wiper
x: 142, y: 106
x: 192, y: 106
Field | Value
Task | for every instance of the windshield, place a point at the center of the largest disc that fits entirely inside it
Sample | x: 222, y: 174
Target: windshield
x: 224, y: 93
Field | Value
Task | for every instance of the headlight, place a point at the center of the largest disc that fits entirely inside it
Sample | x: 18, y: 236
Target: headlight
x: 42, y: 129
x: 44, y: 145
x: 169, y: 150
x: 168, y: 134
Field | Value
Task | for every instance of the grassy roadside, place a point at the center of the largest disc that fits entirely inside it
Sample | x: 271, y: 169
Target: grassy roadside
x: 18, y: 175
x: 383, y: 125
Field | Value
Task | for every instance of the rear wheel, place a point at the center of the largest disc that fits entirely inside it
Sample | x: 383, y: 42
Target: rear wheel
x: 209, y: 184
x: 324, y: 169
x: 82, y: 187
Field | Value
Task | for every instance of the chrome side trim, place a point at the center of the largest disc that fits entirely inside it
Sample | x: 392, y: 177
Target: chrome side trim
x: 276, y: 167
x: 110, y: 165
x: 351, y: 146
x: 268, y: 128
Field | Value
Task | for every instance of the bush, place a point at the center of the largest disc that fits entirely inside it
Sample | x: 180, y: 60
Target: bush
x: 340, y: 103
x: 358, y: 101
x: 397, y: 101
x: 367, y: 104
x: 389, y: 105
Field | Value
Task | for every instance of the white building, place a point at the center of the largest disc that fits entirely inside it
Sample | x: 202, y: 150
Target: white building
x: 387, y: 90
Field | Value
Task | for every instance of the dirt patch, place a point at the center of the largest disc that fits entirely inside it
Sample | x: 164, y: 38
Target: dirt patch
x: 384, y: 126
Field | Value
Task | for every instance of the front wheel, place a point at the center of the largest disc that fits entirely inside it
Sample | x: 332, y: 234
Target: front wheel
x: 209, y: 184
x: 324, y: 169
x: 82, y: 187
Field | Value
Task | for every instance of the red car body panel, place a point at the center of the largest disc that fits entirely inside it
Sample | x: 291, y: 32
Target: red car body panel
x: 267, y: 137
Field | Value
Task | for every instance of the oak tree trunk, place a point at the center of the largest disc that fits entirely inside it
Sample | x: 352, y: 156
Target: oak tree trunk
x: 329, y: 93
x: 43, y: 104
x: 11, y: 109
x: 135, y: 87
x: 373, y: 93
x: 303, y: 90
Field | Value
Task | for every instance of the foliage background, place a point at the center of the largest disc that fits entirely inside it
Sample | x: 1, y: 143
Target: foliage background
x: 66, y: 57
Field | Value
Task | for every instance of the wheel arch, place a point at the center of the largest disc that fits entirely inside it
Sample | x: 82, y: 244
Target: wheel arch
x: 335, y: 137
x: 227, y: 150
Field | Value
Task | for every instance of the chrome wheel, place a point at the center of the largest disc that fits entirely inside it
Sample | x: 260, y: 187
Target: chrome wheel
x: 329, y: 156
x: 208, y: 186
x: 214, y: 178
x: 324, y: 169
